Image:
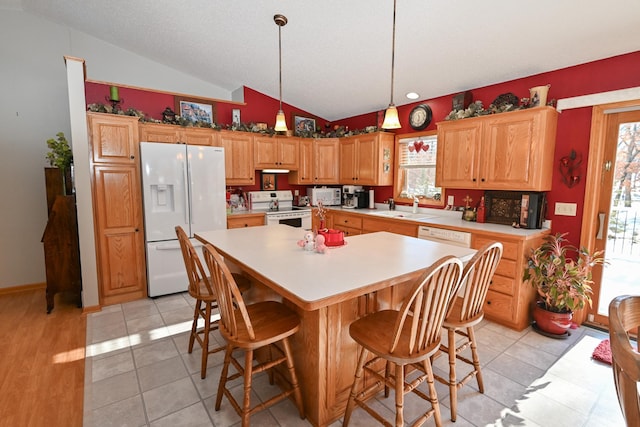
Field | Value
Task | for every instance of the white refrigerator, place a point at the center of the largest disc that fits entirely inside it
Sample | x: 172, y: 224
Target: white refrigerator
x: 181, y: 185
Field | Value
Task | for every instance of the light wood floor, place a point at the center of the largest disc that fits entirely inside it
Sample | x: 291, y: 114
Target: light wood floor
x: 41, y: 361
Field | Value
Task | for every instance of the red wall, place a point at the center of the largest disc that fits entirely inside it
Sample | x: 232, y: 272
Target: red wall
x: 574, y: 126
x: 615, y: 73
x: 257, y: 108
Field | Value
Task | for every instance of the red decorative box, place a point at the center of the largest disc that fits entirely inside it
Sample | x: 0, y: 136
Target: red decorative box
x: 332, y: 237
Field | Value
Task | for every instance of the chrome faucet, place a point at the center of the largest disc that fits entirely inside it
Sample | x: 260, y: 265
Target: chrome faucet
x: 415, y: 204
x: 392, y: 204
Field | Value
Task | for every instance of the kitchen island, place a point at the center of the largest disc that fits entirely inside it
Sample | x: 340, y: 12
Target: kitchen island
x: 329, y: 291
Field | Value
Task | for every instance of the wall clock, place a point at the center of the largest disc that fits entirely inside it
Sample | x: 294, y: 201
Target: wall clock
x: 420, y: 117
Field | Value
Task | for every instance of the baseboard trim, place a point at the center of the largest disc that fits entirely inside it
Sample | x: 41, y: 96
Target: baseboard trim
x: 23, y: 288
x: 91, y: 309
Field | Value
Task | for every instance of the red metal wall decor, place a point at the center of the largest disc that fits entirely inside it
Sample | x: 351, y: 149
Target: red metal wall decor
x: 569, y: 168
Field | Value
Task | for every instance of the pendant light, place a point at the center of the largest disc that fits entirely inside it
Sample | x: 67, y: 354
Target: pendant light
x: 391, y: 120
x: 281, y: 123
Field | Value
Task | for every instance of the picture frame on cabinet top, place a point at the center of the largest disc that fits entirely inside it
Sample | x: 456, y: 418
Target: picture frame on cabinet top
x: 235, y: 116
x: 302, y: 125
x: 196, y: 109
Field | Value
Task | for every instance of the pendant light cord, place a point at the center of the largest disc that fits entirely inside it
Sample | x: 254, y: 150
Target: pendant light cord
x: 393, y: 50
x: 280, y: 61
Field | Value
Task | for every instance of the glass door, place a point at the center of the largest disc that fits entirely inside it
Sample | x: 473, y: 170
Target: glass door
x: 618, y: 214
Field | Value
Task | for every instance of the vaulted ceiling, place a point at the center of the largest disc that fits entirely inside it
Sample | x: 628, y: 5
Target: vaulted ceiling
x: 336, y: 54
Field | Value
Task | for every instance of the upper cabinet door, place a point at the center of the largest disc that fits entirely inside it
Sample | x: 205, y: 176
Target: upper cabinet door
x: 288, y: 151
x: 276, y: 152
x: 238, y: 157
x: 348, y: 162
x: 518, y: 150
x: 326, y: 164
x: 507, y: 151
x: 156, y: 132
x: 458, y: 156
x: 113, y: 139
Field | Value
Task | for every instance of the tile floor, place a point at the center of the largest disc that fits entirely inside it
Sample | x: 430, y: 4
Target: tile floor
x: 138, y: 373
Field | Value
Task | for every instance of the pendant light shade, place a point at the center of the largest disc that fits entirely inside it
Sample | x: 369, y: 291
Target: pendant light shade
x: 281, y: 123
x: 391, y: 120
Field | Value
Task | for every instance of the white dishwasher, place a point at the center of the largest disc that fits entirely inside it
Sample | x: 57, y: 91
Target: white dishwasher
x: 451, y: 237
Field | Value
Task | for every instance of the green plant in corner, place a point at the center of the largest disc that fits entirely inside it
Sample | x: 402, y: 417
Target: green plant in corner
x: 60, y: 155
x: 563, y: 283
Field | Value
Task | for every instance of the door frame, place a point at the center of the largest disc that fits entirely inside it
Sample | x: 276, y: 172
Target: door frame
x: 599, y: 123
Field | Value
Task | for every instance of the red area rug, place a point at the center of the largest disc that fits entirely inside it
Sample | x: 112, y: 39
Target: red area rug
x: 602, y: 353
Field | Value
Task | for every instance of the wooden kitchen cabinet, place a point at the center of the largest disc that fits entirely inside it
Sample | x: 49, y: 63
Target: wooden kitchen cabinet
x: 349, y: 223
x: 507, y: 151
x: 157, y: 132
x: 509, y: 299
x: 318, y: 162
x: 371, y: 225
x: 238, y: 157
x: 117, y: 207
x: 367, y: 159
x: 326, y: 153
x: 277, y: 152
x: 248, y: 220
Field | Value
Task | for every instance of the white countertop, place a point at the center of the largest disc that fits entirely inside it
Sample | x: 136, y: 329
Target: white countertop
x: 314, y: 279
x: 444, y: 218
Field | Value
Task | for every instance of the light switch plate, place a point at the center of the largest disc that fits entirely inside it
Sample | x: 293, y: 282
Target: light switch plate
x: 450, y: 200
x: 566, y: 209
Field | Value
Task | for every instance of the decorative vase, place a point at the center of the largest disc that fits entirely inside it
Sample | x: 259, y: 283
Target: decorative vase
x: 551, y: 322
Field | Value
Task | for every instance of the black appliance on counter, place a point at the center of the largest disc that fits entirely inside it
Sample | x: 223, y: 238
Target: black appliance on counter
x: 524, y: 209
x: 361, y: 199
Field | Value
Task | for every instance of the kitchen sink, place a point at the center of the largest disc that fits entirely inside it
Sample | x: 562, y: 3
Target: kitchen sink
x: 403, y: 215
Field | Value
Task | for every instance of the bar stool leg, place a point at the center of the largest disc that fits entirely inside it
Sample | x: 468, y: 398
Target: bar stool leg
x: 354, y: 388
x: 194, y: 325
x: 476, y: 360
x: 399, y: 395
x: 453, y: 388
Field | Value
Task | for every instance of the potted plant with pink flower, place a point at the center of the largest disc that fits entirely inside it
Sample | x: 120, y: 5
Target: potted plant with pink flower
x: 561, y: 275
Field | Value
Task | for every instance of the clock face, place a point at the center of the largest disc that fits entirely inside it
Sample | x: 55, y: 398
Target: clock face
x: 420, y: 117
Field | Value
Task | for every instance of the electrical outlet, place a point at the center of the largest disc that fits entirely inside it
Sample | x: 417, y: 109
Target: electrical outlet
x: 450, y: 200
x: 296, y: 192
x: 566, y: 209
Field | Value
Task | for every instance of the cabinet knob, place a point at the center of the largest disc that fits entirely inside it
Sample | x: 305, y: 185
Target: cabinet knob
x: 482, y: 180
x: 488, y: 302
x: 137, y: 230
x: 132, y: 157
x: 474, y: 180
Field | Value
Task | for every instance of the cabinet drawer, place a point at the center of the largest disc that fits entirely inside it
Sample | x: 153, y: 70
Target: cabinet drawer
x: 506, y: 267
x: 245, y: 221
x: 347, y: 221
x: 348, y: 231
x: 499, y: 307
x: 509, y: 249
x: 394, y: 226
x: 502, y: 284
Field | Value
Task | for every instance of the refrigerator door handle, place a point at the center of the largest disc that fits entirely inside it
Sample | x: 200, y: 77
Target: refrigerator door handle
x: 190, y: 187
x: 187, y: 196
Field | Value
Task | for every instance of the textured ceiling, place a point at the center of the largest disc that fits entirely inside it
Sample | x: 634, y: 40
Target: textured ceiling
x: 336, y: 54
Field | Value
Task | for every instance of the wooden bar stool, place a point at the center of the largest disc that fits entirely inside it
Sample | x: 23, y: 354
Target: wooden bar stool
x: 624, y: 320
x: 408, y: 336
x: 201, y: 289
x: 464, y: 313
x: 266, y: 324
